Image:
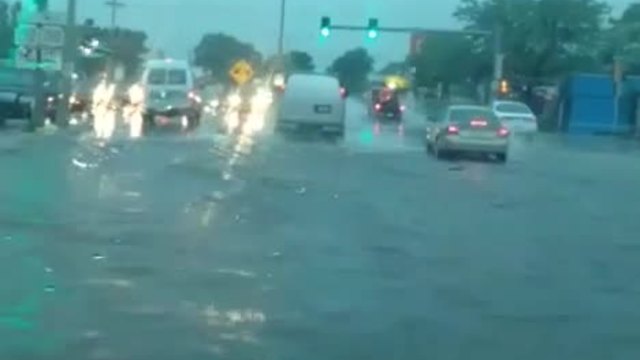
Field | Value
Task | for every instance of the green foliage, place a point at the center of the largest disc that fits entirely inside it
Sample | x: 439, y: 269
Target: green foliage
x: 299, y: 61
x: 127, y: 49
x: 353, y: 68
x: 216, y: 53
x: 541, y: 38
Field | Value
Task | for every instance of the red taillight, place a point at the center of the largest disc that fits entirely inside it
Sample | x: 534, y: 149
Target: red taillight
x: 343, y: 92
x: 453, y: 130
x: 403, y: 108
x: 503, y: 132
x: 378, y: 107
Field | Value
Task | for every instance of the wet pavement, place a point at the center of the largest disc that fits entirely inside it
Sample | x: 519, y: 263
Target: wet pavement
x: 205, y: 246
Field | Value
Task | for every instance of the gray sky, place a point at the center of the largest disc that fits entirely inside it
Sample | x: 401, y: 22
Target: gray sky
x: 176, y: 26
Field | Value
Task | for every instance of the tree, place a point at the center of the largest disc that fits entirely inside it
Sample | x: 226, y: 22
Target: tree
x: 451, y: 59
x: 6, y: 29
x: 126, y: 48
x: 299, y: 61
x: 621, y: 41
x: 353, y: 68
x: 541, y: 38
x: 216, y: 53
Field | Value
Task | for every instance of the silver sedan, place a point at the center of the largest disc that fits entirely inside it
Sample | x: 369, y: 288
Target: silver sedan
x: 467, y: 129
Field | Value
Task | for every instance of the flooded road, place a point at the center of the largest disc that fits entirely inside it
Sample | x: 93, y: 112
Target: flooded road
x: 204, y: 246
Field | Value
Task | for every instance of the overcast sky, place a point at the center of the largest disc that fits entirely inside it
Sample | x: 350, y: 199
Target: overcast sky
x: 176, y: 26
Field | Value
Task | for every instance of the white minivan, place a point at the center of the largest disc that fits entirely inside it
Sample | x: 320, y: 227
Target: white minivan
x: 312, y: 101
x: 170, y: 93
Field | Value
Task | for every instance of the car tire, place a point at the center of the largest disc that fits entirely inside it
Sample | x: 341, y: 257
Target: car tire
x: 438, y: 152
x: 501, y: 157
x: 147, y: 122
x: 193, y: 121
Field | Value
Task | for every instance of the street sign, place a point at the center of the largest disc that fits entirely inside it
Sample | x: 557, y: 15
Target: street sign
x: 45, y: 36
x: 44, y: 29
x: 241, y: 72
x: 49, y: 58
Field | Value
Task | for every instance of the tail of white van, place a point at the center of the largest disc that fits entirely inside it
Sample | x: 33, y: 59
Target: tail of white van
x: 312, y: 101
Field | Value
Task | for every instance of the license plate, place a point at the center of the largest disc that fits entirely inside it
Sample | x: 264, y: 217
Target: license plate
x: 322, y: 109
x: 162, y: 120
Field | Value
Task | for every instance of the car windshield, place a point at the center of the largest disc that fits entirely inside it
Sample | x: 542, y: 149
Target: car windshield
x: 320, y: 180
x: 177, y: 77
x: 515, y: 108
x: 157, y: 77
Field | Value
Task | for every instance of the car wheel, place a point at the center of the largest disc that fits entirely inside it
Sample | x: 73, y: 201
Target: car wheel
x: 438, y: 152
x: 193, y: 121
x: 501, y: 157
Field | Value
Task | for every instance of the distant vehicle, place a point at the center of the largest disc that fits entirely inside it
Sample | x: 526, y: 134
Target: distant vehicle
x: 17, y: 97
x: 171, y: 97
x: 386, y: 104
x: 467, y: 129
x: 516, y: 116
x: 313, y: 101
x: 82, y: 93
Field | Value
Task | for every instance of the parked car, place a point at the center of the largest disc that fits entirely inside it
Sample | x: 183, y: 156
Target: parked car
x: 516, y: 116
x: 17, y: 97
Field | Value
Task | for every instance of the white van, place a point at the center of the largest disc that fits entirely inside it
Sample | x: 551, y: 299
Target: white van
x: 312, y: 101
x: 170, y: 93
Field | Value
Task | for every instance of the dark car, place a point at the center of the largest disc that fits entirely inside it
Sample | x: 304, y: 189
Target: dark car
x: 17, y: 96
x: 386, y: 104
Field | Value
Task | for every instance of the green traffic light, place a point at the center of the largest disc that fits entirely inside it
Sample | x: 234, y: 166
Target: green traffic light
x: 325, y: 26
x: 373, y: 28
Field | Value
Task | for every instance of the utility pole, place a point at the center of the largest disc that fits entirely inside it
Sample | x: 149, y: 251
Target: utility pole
x: 115, y: 5
x: 498, y: 58
x: 38, y: 114
x: 283, y: 13
x: 69, y: 53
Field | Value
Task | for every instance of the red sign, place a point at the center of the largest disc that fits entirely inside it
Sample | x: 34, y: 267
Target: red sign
x: 417, y: 40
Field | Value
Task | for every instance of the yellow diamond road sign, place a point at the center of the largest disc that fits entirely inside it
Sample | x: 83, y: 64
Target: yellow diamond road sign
x: 241, y: 72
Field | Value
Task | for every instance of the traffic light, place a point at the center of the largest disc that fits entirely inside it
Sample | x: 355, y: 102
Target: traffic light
x: 373, y: 30
x: 325, y: 26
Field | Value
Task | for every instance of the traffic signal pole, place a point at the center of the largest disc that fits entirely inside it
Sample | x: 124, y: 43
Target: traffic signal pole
x: 497, y: 35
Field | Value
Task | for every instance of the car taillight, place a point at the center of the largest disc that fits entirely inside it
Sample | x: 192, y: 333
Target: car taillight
x: 503, y: 132
x: 378, y: 107
x: 453, y: 130
x: 343, y: 92
x: 403, y: 108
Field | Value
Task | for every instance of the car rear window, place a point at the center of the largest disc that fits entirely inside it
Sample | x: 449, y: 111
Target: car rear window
x: 513, y: 108
x: 465, y: 117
